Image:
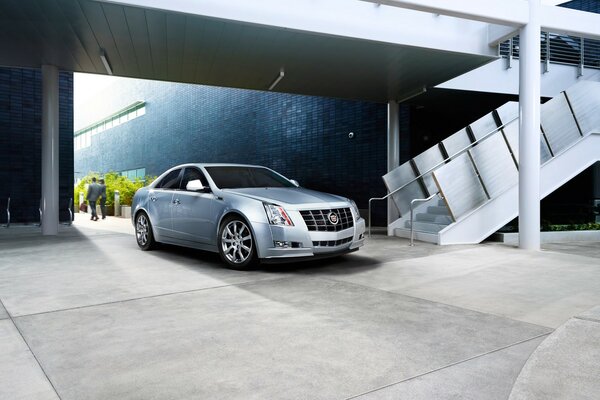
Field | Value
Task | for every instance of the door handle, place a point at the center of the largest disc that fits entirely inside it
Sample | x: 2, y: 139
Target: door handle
x: 152, y: 198
x: 176, y: 201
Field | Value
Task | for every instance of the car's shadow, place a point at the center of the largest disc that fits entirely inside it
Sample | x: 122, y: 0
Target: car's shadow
x: 209, y: 261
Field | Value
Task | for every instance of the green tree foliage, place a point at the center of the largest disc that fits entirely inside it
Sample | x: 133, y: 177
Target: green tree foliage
x: 114, y: 181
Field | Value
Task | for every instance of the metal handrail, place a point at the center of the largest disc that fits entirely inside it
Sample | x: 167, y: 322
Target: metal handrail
x: 412, y: 222
x: 471, y: 145
x: 41, y: 213
x: 7, y: 214
x: 70, y: 213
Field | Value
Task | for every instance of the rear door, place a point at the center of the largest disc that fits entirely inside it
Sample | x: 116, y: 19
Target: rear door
x: 160, y: 203
x: 193, y: 216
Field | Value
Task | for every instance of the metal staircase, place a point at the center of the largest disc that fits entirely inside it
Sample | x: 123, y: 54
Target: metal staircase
x: 474, y: 172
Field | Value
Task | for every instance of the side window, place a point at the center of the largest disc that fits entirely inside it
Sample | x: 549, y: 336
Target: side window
x: 191, y: 174
x: 171, y: 181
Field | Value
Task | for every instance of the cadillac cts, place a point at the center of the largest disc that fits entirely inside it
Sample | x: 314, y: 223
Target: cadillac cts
x: 245, y: 213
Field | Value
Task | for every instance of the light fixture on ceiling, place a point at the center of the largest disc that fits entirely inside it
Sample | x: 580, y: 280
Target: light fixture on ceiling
x: 412, y: 93
x: 278, y: 79
x: 105, y: 62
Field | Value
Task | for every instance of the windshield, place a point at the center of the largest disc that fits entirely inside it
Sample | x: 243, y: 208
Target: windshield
x: 246, y: 177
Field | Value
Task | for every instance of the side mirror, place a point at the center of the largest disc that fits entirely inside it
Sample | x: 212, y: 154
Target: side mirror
x: 295, y: 182
x: 195, y: 186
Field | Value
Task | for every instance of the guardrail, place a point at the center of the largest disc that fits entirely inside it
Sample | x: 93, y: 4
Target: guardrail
x: 558, y: 49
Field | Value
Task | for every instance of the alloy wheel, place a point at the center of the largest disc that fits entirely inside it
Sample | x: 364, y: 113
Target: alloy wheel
x: 236, y: 242
x: 141, y: 229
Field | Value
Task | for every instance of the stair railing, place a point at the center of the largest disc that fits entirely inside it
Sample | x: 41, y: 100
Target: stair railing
x: 7, y: 214
x: 70, y: 210
x: 444, y: 161
x: 412, y: 221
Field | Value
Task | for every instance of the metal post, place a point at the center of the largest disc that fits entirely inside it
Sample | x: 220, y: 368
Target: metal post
x: 581, y: 59
x: 80, y: 199
x: 117, y: 204
x: 393, y: 145
x: 50, y: 164
x: 510, y: 54
x: 529, y: 131
x: 547, y: 59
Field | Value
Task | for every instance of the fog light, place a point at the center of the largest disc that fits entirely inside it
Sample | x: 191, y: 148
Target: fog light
x: 282, y: 245
x: 361, y: 236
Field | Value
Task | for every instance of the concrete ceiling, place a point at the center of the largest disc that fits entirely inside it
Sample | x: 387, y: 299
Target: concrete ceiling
x: 169, y: 46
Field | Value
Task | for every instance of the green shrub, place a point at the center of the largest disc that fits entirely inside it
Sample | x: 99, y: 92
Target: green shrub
x: 114, y: 181
x: 591, y: 226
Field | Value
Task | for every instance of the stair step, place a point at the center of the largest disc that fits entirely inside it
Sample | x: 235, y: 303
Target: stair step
x: 441, y: 203
x: 433, y: 218
x: 426, y: 226
x: 417, y: 235
x: 438, y: 210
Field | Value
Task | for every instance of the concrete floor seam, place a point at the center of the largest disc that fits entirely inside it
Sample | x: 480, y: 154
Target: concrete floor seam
x: 31, y: 351
x: 439, y: 302
x: 588, y: 319
x: 145, y: 297
x: 449, y: 365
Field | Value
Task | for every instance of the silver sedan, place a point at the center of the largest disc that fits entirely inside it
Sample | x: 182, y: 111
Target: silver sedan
x: 245, y: 213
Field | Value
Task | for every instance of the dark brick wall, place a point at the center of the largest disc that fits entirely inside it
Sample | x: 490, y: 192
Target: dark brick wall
x: 20, y: 142
x: 302, y: 137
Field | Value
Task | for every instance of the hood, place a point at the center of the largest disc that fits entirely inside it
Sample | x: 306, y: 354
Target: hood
x: 292, y: 196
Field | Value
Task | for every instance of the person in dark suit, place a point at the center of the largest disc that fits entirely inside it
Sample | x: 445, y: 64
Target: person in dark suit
x: 94, y: 191
x: 102, y: 198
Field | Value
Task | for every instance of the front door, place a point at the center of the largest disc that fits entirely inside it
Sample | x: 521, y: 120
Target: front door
x: 160, y: 203
x: 193, y: 216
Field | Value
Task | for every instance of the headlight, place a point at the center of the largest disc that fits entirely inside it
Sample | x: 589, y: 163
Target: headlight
x: 355, y: 209
x: 277, y: 215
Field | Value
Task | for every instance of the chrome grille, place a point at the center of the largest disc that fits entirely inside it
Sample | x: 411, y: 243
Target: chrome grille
x: 332, y: 243
x: 318, y: 220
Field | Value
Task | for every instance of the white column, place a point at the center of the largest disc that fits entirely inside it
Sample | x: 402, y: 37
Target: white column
x: 529, y: 131
x: 49, y: 150
x: 393, y: 147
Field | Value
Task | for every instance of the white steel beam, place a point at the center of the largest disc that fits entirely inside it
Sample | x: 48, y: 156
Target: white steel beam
x: 570, y: 22
x: 505, y: 12
x: 345, y: 18
x: 556, y: 20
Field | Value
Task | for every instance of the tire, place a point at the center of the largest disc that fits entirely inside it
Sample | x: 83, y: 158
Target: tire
x: 237, y: 247
x: 143, y: 232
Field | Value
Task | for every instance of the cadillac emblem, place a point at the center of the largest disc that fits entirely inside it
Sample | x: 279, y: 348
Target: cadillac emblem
x: 333, y: 218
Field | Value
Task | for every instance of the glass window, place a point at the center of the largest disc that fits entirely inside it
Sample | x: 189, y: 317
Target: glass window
x: 140, y: 172
x: 141, y: 111
x: 171, y: 181
x: 246, y: 177
x: 191, y: 174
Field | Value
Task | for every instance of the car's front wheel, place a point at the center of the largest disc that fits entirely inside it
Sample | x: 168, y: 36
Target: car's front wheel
x: 236, y: 244
x: 143, y: 232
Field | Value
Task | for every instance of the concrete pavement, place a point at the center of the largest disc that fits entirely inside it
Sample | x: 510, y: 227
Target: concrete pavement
x: 93, y: 317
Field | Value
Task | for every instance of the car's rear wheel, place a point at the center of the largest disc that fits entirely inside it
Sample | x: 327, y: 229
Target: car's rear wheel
x: 236, y: 243
x: 143, y: 232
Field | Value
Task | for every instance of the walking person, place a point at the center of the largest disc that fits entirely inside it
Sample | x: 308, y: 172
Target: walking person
x: 103, y: 198
x: 93, y: 193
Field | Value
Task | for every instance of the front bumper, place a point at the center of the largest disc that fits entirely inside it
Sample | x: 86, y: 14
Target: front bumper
x: 304, y: 243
